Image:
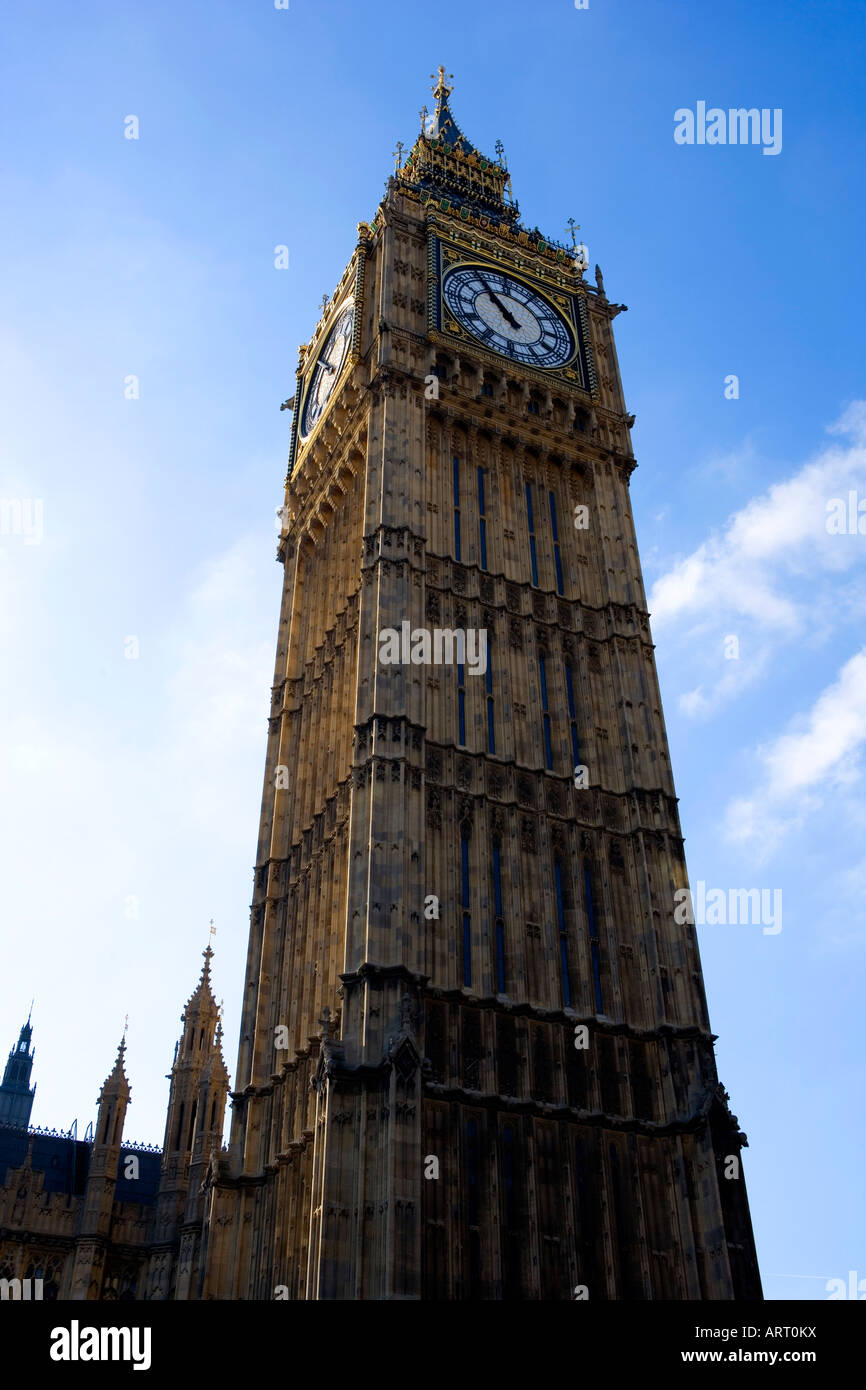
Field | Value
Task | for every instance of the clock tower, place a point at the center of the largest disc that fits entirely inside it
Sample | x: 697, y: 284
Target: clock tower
x: 475, y: 1057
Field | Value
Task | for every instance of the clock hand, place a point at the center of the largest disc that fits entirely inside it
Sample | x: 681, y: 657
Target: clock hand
x: 494, y: 299
x: 326, y: 366
x: 504, y: 312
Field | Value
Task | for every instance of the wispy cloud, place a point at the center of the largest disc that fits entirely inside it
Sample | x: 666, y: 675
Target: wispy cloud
x: 818, y: 754
x: 771, y: 575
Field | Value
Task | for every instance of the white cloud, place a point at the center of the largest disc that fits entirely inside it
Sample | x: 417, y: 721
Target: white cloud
x: 820, y: 753
x: 770, y: 575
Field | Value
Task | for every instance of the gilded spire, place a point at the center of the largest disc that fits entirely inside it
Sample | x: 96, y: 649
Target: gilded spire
x: 441, y: 91
x: 445, y: 164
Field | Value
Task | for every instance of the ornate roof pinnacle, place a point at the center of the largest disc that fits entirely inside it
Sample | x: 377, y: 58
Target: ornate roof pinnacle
x: 117, y: 1078
x: 208, y: 953
x: 440, y: 91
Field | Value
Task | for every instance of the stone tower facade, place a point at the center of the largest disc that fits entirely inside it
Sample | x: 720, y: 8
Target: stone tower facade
x: 475, y: 1057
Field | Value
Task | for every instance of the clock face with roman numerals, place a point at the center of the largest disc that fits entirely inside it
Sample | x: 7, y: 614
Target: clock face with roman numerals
x: 508, y: 316
x: 327, y: 368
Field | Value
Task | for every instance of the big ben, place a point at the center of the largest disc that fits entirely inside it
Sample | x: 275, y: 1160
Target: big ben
x: 475, y: 1057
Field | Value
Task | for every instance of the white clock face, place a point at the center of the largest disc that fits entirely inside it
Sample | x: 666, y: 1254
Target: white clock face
x: 327, y: 368
x: 508, y: 316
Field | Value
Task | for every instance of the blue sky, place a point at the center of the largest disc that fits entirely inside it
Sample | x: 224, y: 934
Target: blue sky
x: 132, y: 785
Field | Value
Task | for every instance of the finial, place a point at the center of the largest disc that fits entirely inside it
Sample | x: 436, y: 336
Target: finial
x: 574, y: 227
x: 500, y: 151
x: 424, y: 114
x: 398, y: 156
x: 441, y: 92
x: 599, y: 279
x: 208, y: 952
x: 326, y: 299
x: 125, y: 1025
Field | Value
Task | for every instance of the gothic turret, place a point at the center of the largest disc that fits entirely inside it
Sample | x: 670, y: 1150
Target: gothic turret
x: 194, y: 1123
x: 193, y: 1052
x: 16, y: 1093
x: 88, y: 1270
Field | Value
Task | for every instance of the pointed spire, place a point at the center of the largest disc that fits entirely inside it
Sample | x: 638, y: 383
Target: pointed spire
x: 440, y: 91
x: 118, y: 1068
x: 442, y: 125
x: 202, y: 997
x: 205, y: 970
x: 442, y: 162
x: 116, y: 1083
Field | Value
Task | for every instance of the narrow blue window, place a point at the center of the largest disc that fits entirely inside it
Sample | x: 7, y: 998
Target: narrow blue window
x: 461, y: 704
x: 563, y: 939
x: 482, y: 519
x: 593, y: 938
x: 572, y: 716
x: 464, y: 899
x: 499, y: 919
x: 456, y: 508
x: 532, y: 552
x: 545, y: 714
x: 557, y: 558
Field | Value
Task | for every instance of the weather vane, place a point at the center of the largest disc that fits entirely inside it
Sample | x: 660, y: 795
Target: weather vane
x: 575, y: 228
x: 212, y: 928
x: 398, y: 156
